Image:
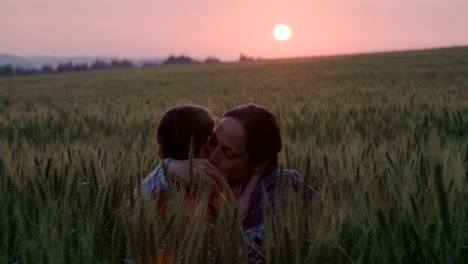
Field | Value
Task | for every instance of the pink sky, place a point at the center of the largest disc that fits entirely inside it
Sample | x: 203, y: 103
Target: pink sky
x: 225, y: 28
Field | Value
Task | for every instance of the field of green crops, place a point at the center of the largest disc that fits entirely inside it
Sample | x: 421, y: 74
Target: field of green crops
x: 383, y: 137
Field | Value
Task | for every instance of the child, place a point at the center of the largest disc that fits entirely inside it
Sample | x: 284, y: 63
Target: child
x: 181, y: 130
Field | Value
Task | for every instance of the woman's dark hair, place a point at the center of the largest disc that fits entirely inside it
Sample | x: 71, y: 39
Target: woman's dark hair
x: 181, y: 128
x: 262, y: 133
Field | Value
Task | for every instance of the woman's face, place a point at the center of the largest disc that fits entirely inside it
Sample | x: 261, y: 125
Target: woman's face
x: 228, y: 151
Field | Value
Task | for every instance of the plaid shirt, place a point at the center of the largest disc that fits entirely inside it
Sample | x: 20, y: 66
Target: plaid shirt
x: 272, y: 185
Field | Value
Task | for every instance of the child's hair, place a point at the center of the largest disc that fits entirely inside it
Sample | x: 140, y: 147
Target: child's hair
x: 181, y: 128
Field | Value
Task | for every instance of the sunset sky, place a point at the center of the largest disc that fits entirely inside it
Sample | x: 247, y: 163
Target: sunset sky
x: 226, y: 28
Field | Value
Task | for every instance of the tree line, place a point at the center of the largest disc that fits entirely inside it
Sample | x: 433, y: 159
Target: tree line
x: 9, y: 70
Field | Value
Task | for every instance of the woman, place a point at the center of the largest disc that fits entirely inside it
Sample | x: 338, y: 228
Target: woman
x: 181, y: 130
x: 244, y: 151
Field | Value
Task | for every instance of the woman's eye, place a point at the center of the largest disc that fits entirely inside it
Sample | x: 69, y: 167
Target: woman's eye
x: 228, y: 154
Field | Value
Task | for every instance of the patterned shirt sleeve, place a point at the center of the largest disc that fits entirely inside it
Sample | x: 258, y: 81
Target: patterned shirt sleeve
x: 155, y: 183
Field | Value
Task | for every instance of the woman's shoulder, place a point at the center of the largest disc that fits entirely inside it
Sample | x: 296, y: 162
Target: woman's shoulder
x: 285, y: 178
x: 291, y: 175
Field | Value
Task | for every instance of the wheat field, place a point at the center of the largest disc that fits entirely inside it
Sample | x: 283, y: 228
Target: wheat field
x: 383, y: 137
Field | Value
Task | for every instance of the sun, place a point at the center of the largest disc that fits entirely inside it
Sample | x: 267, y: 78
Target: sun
x: 282, y: 32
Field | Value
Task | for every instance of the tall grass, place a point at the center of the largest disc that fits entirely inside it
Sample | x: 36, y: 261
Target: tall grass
x: 383, y: 137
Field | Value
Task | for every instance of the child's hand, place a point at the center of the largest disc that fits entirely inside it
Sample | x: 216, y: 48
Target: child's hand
x: 203, y: 171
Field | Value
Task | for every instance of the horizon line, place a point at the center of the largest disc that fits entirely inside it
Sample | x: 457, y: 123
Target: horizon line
x: 364, y: 52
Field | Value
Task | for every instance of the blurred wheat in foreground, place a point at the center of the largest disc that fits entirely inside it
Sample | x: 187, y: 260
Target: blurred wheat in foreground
x: 383, y: 137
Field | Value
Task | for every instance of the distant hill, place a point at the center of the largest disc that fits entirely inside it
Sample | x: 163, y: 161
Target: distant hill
x: 6, y: 59
x: 39, y: 61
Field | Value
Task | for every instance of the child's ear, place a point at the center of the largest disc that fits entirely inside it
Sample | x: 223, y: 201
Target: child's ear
x: 206, y: 147
x: 204, y: 151
x: 159, y: 152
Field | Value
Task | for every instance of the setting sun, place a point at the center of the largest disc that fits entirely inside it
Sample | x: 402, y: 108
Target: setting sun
x: 282, y: 32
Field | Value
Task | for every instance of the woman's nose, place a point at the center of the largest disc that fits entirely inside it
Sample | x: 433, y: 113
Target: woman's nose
x: 214, y: 155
